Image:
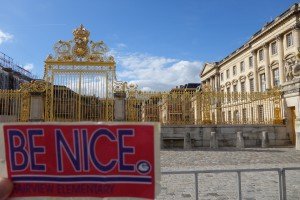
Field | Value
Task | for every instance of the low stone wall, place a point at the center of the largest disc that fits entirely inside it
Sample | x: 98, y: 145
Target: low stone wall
x: 8, y: 118
x: 226, y: 135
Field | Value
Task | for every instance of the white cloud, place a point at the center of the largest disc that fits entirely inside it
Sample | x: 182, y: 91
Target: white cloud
x: 121, y: 45
x: 28, y: 66
x: 156, y: 73
x: 5, y: 37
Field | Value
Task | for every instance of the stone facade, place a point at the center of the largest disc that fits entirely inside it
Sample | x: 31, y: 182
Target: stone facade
x: 270, y: 58
x: 226, y: 135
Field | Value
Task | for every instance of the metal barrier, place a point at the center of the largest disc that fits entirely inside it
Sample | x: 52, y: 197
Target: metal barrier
x: 281, y: 178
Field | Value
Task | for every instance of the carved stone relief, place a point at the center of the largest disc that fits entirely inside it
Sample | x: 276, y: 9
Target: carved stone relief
x: 289, y: 67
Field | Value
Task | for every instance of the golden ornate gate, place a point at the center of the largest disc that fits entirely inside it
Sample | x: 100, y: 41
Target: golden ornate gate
x: 79, y: 80
x: 79, y: 83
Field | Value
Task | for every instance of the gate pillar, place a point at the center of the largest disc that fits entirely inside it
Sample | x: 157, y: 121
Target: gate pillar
x: 119, y: 106
x: 33, y: 97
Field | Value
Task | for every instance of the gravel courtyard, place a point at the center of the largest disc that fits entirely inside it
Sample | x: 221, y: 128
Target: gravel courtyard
x: 260, y: 185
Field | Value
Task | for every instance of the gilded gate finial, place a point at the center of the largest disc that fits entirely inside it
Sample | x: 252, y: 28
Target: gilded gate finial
x: 80, y: 49
x: 81, y: 32
x: 81, y: 39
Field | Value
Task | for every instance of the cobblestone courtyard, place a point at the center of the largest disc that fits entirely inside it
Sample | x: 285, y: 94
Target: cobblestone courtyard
x: 259, y: 185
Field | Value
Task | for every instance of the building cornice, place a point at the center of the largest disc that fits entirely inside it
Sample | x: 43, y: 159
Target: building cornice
x: 262, y: 32
x: 215, y: 67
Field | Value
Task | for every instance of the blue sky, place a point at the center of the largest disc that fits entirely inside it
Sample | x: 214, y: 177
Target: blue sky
x: 157, y: 43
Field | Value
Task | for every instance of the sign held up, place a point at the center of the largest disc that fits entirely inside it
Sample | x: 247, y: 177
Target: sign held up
x: 83, y: 159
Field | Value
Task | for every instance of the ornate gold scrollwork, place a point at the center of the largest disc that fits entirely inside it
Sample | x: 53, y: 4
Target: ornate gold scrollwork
x: 34, y: 86
x: 276, y: 94
x: 81, y: 39
x: 78, y: 60
x: 206, y: 106
x: 26, y: 90
x: 80, y: 49
x: 119, y: 86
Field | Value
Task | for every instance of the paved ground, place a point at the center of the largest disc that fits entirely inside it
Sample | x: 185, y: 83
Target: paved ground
x: 262, y: 185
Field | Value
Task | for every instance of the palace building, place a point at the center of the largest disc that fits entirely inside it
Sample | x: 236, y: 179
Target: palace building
x: 11, y: 74
x: 80, y: 85
x: 269, y: 59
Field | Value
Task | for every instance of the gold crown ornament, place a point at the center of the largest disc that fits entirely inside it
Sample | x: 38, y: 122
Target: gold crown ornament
x: 81, y: 32
x: 81, y: 38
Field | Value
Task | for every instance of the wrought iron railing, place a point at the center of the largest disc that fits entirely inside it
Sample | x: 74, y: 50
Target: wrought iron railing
x: 10, y: 105
x: 205, y: 107
x: 178, y: 107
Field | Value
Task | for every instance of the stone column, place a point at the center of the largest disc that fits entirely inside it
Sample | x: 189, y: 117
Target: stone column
x: 264, y: 139
x: 36, y: 108
x: 213, y: 140
x: 211, y: 82
x: 280, y: 59
x: 119, y: 107
x: 216, y: 83
x: 267, y: 68
x: 296, y: 40
x: 254, y: 54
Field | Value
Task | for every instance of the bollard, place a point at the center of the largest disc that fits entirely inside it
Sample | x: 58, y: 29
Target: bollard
x: 264, y: 139
x: 187, y: 143
x: 213, y: 140
x: 297, y: 130
x: 297, y: 140
x: 240, y: 142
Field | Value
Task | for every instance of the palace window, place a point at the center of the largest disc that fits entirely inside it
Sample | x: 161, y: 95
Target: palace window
x: 242, y: 66
x: 262, y: 82
x: 275, y: 77
x: 222, y: 76
x: 260, y: 113
x: 251, y: 83
x: 228, y: 94
x: 250, y: 61
x: 229, y: 116
x: 228, y: 90
x: 234, y: 88
x: 235, y: 95
x: 274, y: 48
x: 261, y: 55
x: 236, y: 116
x: 244, y: 115
x: 252, y: 114
x: 289, y: 39
x: 234, y: 70
x: 227, y: 73
x: 243, y: 87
